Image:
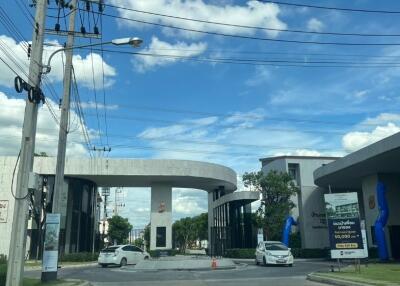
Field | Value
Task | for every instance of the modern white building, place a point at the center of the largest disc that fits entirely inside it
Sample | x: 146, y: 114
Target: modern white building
x: 310, y: 208
x: 361, y: 172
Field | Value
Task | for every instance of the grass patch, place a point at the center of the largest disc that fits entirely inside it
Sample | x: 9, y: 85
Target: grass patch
x: 375, y: 274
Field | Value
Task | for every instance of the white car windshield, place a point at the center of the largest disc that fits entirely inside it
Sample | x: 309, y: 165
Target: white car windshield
x: 275, y: 246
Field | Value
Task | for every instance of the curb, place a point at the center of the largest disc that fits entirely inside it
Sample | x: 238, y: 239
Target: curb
x: 333, y: 281
x: 33, y: 268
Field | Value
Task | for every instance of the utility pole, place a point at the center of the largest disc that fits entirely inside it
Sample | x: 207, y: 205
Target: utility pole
x: 65, y: 107
x: 16, y: 256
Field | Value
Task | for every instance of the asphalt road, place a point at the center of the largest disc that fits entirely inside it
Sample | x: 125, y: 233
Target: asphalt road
x: 244, y: 274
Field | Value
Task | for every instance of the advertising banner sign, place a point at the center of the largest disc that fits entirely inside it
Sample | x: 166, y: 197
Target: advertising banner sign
x: 50, y: 253
x: 3, y: 211
x: 345, y: 237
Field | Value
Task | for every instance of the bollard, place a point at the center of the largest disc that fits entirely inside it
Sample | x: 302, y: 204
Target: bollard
x: 213, y: 263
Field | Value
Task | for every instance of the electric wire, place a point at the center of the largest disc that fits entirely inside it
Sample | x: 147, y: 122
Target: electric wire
x: 248, y: 26
x: 302, y: 5
x: 250, y: 37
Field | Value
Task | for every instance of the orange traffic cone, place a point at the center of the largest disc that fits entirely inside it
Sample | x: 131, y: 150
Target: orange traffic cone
x: 213, y: 263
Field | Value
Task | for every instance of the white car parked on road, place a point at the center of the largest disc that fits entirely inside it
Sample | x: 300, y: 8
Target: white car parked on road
x: 121, y: 255
x: 273, y: 252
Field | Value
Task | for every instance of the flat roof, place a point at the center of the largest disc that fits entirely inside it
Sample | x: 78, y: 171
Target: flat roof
x: 347, y: 172
x: 270, y: 159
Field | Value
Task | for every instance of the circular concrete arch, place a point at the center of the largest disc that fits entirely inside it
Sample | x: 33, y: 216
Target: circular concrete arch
x: 144, y: 172
x: 160, y: 174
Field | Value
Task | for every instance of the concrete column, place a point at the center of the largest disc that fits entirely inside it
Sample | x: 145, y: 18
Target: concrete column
x: 161, y: 214
x: 210, y: 221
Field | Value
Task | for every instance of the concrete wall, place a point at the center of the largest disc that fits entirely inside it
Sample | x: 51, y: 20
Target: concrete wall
x: 161, y: 214
x: 6, y: 199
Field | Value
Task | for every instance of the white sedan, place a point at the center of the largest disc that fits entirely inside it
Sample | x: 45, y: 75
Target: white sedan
x: 121, y: 255
x: 273, y: 252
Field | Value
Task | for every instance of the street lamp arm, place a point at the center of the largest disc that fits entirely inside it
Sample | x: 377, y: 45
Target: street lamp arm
x: 48, y: 66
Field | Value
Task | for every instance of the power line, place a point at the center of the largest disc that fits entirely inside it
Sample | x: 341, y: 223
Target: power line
x: 250, y: 37
x: 330, y: 8
x: 261, y: 62
x: 248, y: 26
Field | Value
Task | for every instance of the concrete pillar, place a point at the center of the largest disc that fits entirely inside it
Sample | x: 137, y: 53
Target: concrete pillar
x: 161, y: 215
x: 210, y: 221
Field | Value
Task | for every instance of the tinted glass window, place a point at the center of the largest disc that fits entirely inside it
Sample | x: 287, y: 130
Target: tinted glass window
x: 275, y: 246
x: 161, y: 236
x: 110, y: 249
x: 126, y: 248
x: 137, y: 249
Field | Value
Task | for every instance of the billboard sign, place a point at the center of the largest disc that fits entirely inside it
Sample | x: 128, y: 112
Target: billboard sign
x: 345, y: 236
x: 50, y: 253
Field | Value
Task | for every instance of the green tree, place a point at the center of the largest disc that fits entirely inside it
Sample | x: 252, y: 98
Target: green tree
x: 118, y: 229
x: 189, y: 230
x: 276, y: 189
x: 139, y: 242
x: 147, y: 236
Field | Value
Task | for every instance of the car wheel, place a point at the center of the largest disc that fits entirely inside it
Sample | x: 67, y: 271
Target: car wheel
x: 264, y: 261
x: 103, y: 265
x: 290, y: 265
x: 123, y: 262
x: 146, y: 258
x: 257, y: 263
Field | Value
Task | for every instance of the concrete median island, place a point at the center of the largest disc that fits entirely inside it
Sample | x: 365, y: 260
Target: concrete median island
x: 183, y: 263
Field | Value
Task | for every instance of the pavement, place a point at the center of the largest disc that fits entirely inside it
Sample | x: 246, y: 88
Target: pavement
x: 244, y: 273
x: 181, y: 262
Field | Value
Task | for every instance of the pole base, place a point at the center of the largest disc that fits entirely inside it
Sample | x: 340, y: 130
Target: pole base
x: 48, y: 276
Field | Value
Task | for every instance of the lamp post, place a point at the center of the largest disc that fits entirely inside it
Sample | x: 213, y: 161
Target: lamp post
x: 63, y: 132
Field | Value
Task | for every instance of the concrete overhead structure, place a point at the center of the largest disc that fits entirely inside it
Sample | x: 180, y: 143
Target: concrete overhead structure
x: 160, y: 175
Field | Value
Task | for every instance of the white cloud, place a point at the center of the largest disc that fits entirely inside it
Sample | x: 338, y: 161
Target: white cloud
x: 92, y: 105
x: 382, y: 119
x: 82, y: 65
x: 11, y: 119
x: 253, y: 13
x: 353, y: 141
x: 173, y: 53
x: 315, y: 25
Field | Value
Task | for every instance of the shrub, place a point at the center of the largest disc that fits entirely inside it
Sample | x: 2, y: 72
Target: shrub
x: 79, y: 257
x: 297, y: 252
x: 311, y: 252
x: 240, y: 253
x: 3, y: 273
x: 163, y: 252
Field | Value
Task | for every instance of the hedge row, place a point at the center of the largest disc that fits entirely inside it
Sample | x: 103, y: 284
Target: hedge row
x: 165, y: 252
x: 79, y: 257
x: 297, y: 252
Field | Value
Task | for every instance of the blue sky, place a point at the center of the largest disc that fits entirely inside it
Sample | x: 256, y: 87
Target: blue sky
x: 163, y: 107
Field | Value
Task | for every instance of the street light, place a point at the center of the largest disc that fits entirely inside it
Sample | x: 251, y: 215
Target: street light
x: 134, y: 42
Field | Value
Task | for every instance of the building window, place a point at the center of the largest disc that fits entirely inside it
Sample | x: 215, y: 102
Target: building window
x: 293, y: 170
x: 161, y: 236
